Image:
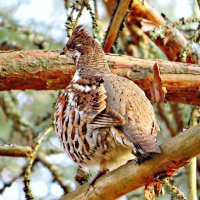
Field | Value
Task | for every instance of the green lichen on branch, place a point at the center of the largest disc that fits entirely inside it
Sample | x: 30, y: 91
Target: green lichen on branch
x: 31, y: 66
x: 193, y: 39
x: 174, y: 191
x: 79, y: 6
x: 160, y: 31
x: 9, y: 103
x: 27, y: 176
x: 16, y: 32
x: 70, y: 20
x: 79, y: 14
x: 94, y: 20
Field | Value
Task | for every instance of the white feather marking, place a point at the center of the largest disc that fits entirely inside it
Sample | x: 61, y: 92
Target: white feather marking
x: 64, y: 142
x: 128, y: 143
x: 66, y: 115
x: 87, y: 88
x: 81, y: 113
x: 59, y: 107
x: 78, y: 87
x: 76, y: 116
x: 71, y: 99
x: 118, y: 139
x: 94, y: 87
x: 76, y: 56
x: 76, y: 76
x: 84, y: 89
x: 59, y: 128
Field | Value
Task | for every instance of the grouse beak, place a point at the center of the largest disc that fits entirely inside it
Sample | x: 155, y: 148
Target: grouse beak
x: 62, y: 52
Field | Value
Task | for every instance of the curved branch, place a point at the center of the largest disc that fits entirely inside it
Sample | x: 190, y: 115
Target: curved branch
x: 175, y: 154
x: 46, y: 70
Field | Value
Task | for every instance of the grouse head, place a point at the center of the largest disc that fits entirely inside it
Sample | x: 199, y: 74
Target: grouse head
x: 79, y: 43
x: 85, y: 51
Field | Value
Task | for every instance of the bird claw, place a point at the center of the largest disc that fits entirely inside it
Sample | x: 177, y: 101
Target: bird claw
x: 82, y: 176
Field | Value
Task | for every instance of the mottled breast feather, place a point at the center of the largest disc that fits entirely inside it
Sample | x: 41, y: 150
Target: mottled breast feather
x: 79, y: 111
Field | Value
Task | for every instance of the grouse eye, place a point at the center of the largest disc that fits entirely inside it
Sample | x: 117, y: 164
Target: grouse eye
x: 73, y: 46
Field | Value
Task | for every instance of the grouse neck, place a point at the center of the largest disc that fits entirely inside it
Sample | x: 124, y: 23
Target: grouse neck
x: 89, y: 65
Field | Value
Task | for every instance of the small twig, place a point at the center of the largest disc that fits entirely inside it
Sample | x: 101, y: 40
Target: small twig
x: 8, y: 184
x: 177, y: 117
x: 157, y: 32
x: 192, y: 176
x: 94, y: 20
x: 16, y: 151
x: 39, y: 120
x: 95, y: 9
x: 174, y: 191
x: 10, y: 110
x: 194, y: 38
x: 27, y: 189
x: 70, y: 23
x: 79, y: 6
x: 23, y: 151
x: 166, y: 120
x: 198, y: 3
x: 55, y: 174
x: 79, y: 14
x: 53, y: 151
x: 20, y: 124
x: 66, y: 4
x: 182, y: 21
x: 35, y: 38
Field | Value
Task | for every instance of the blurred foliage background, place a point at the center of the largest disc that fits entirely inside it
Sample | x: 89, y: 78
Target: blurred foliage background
x: 25, y: 115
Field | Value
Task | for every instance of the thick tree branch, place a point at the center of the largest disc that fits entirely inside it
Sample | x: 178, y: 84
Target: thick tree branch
x: 175, y: 153
x: 46, y: 70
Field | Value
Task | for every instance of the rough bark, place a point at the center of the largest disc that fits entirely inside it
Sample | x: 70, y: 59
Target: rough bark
x: 47, y: 70
x: 175, y: 154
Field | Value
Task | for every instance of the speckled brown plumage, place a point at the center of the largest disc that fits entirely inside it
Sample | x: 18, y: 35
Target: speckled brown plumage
x: 102, y: 120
